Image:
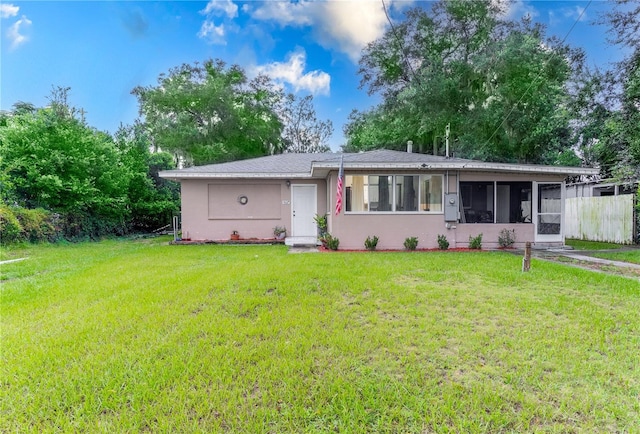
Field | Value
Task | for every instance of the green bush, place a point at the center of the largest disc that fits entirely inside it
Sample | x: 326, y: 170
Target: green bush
x: 331, y: 242
x: 321, y: 223
x: 371, y: 243
x: 411, y: 243
x: 443, y: 243
x: 507, y: 238
x: 84, y: 226
x: 475, y: 242
x: 38, y: 225
x: 10, y: 227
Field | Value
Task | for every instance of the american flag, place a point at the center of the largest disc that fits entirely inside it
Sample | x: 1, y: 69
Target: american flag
x: 340, y: 185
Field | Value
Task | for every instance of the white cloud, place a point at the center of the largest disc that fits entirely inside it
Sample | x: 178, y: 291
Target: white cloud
x: 575, y: 13
x: 292, y: 72
x: 8, y: 10
x: 517, y: 9
x: 15, y: 32
x: 345, y: 25
x: 560, y: 16
x: 218, y: 7
x: 285, y: 13
x: 212, y: 33
x: 209, y: 31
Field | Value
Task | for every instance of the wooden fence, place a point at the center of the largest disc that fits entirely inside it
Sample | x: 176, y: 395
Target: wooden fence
x: 605, y: 218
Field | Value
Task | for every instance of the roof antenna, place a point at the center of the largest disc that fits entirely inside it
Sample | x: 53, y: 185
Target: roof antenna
x: 446, y: 136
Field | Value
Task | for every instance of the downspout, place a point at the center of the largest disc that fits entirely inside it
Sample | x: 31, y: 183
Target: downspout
x: 455, y: 240
x: 327, y: 211
x: 447, y: 189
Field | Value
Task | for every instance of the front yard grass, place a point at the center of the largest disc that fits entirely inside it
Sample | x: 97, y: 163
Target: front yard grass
x: 591, y: 245
x: 632, y: 256
x: 125, y: 336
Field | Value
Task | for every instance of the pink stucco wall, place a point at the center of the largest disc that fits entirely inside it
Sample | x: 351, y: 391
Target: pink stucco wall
x: 208, y: 207
x: 490, y: 231
x: 393, y: 228
x: 211, y: 212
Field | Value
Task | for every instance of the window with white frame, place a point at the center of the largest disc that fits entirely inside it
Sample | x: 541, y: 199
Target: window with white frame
x: 393, y: 193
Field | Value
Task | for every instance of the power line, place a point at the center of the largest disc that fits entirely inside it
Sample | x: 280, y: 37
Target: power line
x: 399, y: 42
x: 533, y: 82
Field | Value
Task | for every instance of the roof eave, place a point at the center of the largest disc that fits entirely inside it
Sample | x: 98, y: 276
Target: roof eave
x: 462, y: 165
x: 178, y: 175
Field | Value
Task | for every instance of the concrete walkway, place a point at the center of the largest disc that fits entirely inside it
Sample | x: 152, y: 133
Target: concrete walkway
x: 595, y: 260
x: 12, y: 260
x: 584, y: 257
x: 303, y: 249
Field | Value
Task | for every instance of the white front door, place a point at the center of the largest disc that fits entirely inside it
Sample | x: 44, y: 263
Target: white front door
x: 303, y: 210
x: 548, y: 199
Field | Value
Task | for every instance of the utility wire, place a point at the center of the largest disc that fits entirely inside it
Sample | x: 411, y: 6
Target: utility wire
x: 533, y: 82
x: 399, y: 42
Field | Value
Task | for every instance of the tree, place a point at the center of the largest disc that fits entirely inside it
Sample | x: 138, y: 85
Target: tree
x: 623, y: 133
x: 55, y: 161
x: 302, y: 131
x: 212, y: 113
x: 500, y: 85
x: 608, y: 104
x: 56, y: 169
x: 152, y: 201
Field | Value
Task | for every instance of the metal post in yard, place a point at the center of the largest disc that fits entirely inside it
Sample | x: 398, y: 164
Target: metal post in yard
x: 526, y: 261
x: 175, y: 228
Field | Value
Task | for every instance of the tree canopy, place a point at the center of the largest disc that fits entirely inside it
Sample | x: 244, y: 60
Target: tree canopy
x: 212, y: 113
x: 622, y: 127
x: 52, y: 160
x: 500, y: 85
x: 303, y: 131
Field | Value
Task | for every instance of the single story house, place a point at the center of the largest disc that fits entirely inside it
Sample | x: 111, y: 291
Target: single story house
x: 391, y: 194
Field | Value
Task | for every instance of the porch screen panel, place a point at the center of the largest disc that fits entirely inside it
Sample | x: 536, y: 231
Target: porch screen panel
x: 513, y: 202
x: 549, y: 209
x: 477, y: 202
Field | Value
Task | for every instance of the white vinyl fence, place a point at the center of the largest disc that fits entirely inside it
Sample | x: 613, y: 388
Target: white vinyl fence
x: 604, y: 218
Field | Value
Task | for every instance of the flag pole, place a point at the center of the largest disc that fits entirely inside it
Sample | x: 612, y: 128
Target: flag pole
x: 339, y: 186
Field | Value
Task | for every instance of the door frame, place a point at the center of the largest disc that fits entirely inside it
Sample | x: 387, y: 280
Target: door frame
x: 315, y: 206
x: 549, y: 238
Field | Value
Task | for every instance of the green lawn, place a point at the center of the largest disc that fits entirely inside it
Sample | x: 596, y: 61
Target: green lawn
x: 127, y: 336
x: 591, y: 245
x: 632, y: 256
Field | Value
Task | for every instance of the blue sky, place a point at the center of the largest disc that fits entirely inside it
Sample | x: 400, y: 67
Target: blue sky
x: 102, y: 50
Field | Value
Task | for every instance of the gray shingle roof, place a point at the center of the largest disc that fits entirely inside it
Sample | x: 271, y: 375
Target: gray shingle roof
x: 274, y: 164
x: 385, y: 156
x: 310, y: 165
